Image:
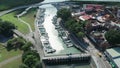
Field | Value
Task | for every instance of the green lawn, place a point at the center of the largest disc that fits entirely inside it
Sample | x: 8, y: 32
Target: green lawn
x: 13, y: 64
x: 11, y: 18
x: 4, y: 54
x: 7, y: 4
x: 29, y: 17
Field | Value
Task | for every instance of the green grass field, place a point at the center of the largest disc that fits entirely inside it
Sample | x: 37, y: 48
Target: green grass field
x: 4, y: 54
x: 13, y: 64
x: 7, y: 4
x: 29, y: 17
x: 11, y: 18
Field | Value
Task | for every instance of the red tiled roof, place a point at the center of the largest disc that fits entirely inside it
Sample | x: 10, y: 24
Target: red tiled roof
x: 91, y: 6
x: 86, y: 17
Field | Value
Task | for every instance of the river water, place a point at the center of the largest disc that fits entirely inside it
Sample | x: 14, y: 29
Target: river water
x: 55, y: 41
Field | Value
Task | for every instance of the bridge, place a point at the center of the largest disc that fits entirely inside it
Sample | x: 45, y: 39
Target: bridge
x: 26, y: 6
x: 67, y: 59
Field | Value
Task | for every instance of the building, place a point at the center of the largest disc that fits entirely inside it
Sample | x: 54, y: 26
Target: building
x: 113, y: 55
x: 92, y: 6
x: 100, y: 0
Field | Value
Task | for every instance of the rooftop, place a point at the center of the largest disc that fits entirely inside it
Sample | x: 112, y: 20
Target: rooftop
x: 115, y: 53
x: 117, y: 61
x: 100, y: 0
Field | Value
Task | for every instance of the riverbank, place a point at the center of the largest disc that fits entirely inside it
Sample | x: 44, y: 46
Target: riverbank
x: 55, y: 41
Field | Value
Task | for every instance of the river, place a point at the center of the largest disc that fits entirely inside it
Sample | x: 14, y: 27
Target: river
x: 55, y: 41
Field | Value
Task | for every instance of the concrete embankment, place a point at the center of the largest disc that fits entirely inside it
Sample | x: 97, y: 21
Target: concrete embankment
x: 65, y: 59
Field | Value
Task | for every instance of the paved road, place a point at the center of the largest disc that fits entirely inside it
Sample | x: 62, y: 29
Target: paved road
x: 35, y: 41
x: 37, y: 36
x: 100, y: 62
x: 9, y: 60
x: 27, y: 37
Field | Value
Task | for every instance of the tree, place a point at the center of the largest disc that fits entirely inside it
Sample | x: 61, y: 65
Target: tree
x: 70, y: 24
x: 30, y: 58
x: 38, y: 65
x: 15, y: 43
x: 80, y: 34
x: 83, y: 23
x: 113, y: 36
x: 9, y: 44
x: 64, y: 13
x: 23, y: 66
x: 27, y: 46
x: 6, y: 28
x: 75, y: 26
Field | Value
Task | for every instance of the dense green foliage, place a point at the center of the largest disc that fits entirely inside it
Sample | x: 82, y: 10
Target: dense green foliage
x: 113, y: 36
x: 11, y: 17
x: 7, y: 4
x: 6, y: 28
x: 30, y: 58
x: 76, y: 27
x: 64, y: 13
x: 27, y: 46
x: 38, y: 65
x: 15, y: 43
x: 80, y: 34
x: 70, y: 23
x: 5, y: 54
x: 23, y: 66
